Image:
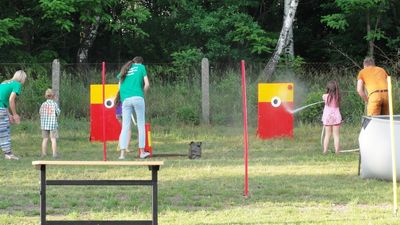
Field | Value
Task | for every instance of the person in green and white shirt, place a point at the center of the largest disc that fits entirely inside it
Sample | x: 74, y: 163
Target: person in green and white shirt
x: 9, y: 90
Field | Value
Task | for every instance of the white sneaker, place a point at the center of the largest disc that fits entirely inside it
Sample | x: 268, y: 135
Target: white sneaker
x: 144, y: 155
x: 122, y: 156
x: 11, y: 157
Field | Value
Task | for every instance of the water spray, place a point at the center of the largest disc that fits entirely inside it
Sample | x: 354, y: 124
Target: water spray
x: 303, y: 107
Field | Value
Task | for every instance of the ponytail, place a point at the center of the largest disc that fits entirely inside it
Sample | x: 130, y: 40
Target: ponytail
x: 124, y: 70
x: 337, y: 94
x: 117, y: 99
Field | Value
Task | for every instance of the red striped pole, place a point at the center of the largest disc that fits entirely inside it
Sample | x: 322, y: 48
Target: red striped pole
x: 103, y: 81
x: 245, y: 135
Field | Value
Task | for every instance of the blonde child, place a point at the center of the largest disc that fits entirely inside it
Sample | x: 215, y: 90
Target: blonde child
x: 49, y: 112
x: 331, y: 117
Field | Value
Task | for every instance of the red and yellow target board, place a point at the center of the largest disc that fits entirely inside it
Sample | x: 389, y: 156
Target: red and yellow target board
x: 112, y: 126
x: 275, y: 100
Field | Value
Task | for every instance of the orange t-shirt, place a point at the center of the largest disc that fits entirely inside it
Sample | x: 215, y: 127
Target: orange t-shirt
x: 374, y: 78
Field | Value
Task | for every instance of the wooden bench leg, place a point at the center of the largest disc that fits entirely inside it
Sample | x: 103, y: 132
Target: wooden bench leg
x: 42, y: 194
x: 154, y: 170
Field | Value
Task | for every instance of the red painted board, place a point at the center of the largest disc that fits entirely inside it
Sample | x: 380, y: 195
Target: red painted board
x: 274, y: 121
x: 113, y: 127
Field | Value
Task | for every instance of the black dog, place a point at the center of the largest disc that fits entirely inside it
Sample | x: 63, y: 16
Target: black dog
x: 194, y: 150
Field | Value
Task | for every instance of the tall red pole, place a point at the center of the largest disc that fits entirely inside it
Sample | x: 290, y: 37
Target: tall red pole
x: 103, y: 81
x: 245, y: 135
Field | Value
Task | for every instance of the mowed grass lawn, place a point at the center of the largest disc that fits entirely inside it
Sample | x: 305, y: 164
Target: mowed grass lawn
x: 290, y: 181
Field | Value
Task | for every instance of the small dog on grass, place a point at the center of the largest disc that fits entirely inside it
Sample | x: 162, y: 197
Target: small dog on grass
x: 195, y: 150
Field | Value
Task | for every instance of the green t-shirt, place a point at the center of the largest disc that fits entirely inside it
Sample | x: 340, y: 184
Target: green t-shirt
x: 133, y: 83
x: 6, y: 88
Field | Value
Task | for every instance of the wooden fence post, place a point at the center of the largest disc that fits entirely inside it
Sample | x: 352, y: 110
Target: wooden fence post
x: 205, y: 92
x: 55, y: 78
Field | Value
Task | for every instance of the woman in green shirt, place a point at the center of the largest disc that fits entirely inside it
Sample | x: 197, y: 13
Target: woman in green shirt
x: 9, y: 90
x: 133, y: 82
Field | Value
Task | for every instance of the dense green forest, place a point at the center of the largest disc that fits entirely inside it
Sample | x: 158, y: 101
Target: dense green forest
x: 165, y: 31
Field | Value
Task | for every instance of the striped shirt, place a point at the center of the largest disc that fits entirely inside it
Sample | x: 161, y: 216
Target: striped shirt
x: 49, y: 112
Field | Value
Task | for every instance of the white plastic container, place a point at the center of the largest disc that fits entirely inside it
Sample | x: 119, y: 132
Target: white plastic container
x: 375, y: 149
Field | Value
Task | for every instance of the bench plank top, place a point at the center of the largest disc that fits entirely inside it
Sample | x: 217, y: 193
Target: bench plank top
x: 98, y: 163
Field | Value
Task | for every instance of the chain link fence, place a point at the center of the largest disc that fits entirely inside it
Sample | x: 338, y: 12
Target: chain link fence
x: 175, y: 93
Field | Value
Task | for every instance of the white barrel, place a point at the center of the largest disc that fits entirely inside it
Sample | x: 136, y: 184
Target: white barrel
x: 375, y: 149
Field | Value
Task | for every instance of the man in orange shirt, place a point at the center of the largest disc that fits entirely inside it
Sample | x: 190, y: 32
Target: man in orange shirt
x: 374, y: 80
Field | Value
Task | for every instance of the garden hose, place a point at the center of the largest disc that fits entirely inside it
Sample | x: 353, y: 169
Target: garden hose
x: 341, y: 151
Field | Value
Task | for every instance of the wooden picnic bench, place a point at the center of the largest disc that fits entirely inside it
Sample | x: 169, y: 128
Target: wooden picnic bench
x: 154, y: 166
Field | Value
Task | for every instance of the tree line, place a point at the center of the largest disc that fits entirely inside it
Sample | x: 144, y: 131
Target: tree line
x: 184, y: 31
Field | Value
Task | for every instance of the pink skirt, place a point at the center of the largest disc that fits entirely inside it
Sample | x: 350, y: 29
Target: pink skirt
x: 331, y: 116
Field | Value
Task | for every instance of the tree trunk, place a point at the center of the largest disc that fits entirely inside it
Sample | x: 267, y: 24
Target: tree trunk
x: 289, y: 49
x: 370, y: 42
x: 269, y: 69
x: 88, y: 36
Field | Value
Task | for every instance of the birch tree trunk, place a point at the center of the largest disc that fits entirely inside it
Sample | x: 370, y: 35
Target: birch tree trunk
x: 282, y: 41
x: 289, y: 49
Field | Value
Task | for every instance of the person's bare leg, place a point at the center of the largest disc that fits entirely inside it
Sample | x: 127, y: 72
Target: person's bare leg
x: 336, y: 141
x: 328, y: 133
x: 44, y: 146
x: 54, y: 146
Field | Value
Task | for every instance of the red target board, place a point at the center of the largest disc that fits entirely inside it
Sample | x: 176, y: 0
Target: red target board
x: 275, y: 100
x: 112, y: 126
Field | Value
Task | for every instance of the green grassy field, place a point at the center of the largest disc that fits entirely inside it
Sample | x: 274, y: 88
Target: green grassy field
x: 290, y: 181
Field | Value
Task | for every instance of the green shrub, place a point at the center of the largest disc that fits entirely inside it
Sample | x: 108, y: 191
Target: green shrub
x: 74, y: 98
x: 226, y: 99
x: 352, y: 107
x: 312, y: 114
x: 188, y: 114
x: 177, y: 102
x: 32, y: 96
x: 183, y: 62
